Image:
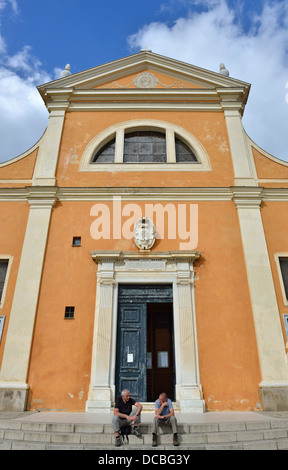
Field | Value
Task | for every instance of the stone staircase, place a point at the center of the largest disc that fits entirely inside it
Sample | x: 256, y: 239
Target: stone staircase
x: 270, y: 434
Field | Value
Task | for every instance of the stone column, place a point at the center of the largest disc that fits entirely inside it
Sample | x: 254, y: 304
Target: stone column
x: 15, y: 364
x: 269, y: 336
x: 188, y: 387
x: 99, y: 398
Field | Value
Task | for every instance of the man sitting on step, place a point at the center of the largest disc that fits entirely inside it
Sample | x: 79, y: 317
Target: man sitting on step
x: 164, y: 415
x: 124, y: 416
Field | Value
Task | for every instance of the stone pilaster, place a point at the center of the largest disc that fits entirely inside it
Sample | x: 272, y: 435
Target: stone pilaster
x: 47, y: 158
x: 99, y: 398
x: 242, y: 164
x: 14, y: 370
x: 189, y: 390
x: 269, y: 336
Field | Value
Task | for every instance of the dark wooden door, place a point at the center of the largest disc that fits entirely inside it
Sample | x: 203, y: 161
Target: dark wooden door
x: 131, y: 350
x: 133, y: 354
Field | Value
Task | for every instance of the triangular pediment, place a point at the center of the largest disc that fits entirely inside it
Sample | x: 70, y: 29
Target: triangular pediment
x: 145, y: 70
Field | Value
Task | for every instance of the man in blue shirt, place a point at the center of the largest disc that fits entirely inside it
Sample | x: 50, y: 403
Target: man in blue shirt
x: 164, y: 415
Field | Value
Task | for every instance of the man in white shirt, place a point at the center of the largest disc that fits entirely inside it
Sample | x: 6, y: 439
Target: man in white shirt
x: 164, y: 415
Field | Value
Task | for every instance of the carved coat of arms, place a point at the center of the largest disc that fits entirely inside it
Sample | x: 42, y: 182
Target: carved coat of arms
x: 144, y: 233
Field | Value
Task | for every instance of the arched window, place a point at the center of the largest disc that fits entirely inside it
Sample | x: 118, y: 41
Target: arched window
x: 150, y: 145
x: 106, y: 153
x: 183, y: 152
x: 144, y: 147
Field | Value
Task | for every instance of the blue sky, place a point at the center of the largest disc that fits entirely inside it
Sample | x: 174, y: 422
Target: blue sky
x: 37, y: 40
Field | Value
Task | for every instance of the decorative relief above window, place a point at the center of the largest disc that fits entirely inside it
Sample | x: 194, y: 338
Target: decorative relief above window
x: 147, y: 80
x: 144, y: 145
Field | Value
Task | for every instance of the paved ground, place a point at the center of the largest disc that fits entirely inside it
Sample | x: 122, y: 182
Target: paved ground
x: 147, y: 417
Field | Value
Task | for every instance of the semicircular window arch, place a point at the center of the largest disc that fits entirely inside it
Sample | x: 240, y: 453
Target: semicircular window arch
x: 106, y: 153
x: 145, y: 146
x: 154, y: 145
x: 184, y: 153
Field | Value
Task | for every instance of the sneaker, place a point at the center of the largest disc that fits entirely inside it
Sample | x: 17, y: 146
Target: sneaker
x: 136, y: 432
x: 175, y: 440
x: 117, y: 441
x: 154, y: 440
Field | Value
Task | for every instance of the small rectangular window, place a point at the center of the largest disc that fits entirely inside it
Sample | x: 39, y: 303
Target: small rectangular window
x: 3, y: 272
x: 284, y: 271
x: 69, y: 312
x: 76, y: 241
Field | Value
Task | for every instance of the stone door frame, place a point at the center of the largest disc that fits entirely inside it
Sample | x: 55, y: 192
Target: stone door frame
x: 116, y: 267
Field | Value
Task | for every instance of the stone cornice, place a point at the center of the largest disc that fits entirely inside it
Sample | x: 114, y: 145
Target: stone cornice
x: 142, y: 61
x: 13, y: 194
x: 111, y: 256
x: 82, y: 91
x: 244, y: 196
x: 148, y: 193
x: 216, y: 99
x: 247, y: 197
x: 275, y: 194
x: 42, y: 197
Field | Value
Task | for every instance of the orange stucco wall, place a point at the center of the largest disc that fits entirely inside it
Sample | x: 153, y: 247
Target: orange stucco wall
x: 164, y: 81
x: 21, y: 169
x: 59, y: 374
x: 274, y: 216
x: 13, y: 221
x: 267, y: 168
x: 208, y: 128
x: 60, y: 361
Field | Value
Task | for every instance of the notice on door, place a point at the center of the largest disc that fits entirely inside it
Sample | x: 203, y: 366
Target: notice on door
x: 130, y: 358
x: 163, y: 362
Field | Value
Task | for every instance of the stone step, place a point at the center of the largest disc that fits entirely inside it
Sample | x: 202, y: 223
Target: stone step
x: 16, y: 435
x: 273, y: 444
x: 194, y: 428
x: 164, y: 439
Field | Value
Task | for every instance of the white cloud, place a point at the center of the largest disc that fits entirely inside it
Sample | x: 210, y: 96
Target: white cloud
x: 23, y: 116
x: 254, y: 50
x: 12, y: 3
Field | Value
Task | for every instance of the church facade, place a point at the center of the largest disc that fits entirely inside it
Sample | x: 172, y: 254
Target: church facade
x: 143, y: 245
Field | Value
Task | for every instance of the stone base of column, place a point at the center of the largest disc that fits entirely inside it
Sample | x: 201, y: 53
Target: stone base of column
x: 13, y: 397
x: 190, y: 399
x: 274, y: 396
x: 99, y: 400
